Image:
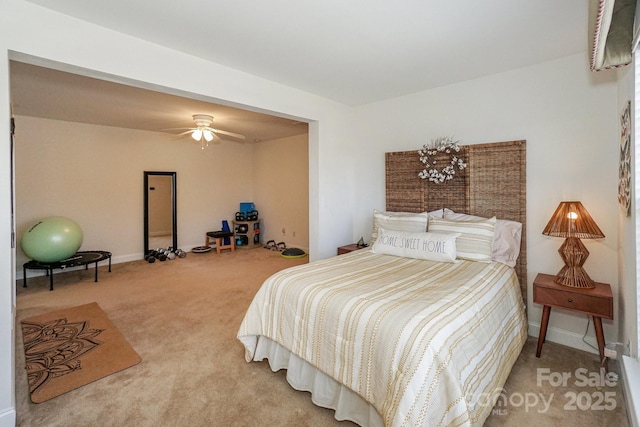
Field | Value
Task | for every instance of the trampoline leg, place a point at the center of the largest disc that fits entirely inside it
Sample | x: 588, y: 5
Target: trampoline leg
x: 50, y: 279
x: 24, y: 275
x: 96, y: 270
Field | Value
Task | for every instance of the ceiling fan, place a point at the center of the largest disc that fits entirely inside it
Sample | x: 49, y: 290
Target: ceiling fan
x: 204, y: 133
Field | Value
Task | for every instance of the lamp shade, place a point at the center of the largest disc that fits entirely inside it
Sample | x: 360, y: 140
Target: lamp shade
x: 571, y: 219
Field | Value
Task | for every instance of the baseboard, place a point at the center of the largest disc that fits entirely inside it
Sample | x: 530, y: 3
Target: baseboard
x: 630, y: 368
x: 561, y: 336
x: 8, y: 417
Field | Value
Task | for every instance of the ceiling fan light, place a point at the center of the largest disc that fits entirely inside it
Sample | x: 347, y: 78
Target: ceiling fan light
x: 197, y: 135
x: 208, y: 135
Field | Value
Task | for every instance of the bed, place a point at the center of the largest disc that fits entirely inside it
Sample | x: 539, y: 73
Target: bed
x: 388, y: 340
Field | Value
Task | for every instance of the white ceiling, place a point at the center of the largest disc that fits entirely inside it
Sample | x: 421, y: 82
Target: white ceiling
x: 46, y: 93
x: 351, y: 51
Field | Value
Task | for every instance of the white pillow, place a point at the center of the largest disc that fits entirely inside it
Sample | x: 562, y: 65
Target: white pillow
x: 439, y: 247
x: 399, y: 221
x: 506, y: 240
x: 476, y: 237
x: 440, y: 213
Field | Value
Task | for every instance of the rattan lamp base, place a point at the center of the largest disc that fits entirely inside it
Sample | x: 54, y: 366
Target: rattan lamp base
x: 574, y: 277
x: 574, y: 254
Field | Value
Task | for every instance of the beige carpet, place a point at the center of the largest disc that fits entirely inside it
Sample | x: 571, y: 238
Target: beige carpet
x: 70, y: 348
x: 182, y: 317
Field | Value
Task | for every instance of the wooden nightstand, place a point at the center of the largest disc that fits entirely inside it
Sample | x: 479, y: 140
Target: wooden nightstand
x: 596, y: 302
x: 348, y: 248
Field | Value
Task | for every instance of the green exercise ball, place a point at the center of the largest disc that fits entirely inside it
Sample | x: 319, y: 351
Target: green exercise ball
x: 52, y: 239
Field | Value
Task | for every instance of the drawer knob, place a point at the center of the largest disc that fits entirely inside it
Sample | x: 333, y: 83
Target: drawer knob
x: 570, y: 300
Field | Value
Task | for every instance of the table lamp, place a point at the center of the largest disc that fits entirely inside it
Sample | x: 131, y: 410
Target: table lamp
x: 571, y: 220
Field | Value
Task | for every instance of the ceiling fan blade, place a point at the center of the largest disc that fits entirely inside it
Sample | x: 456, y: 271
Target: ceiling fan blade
x: 186, y: 132
x: 224, y: 132
x: 164, y: 130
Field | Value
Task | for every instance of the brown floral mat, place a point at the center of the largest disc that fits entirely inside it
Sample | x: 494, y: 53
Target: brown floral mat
x: 69, y: 348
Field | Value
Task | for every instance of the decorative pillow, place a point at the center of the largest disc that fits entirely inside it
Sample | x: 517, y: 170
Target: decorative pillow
x: 506, y: 240
x: 476, y: 237
x: 398, y: 221
x: 439, y: 247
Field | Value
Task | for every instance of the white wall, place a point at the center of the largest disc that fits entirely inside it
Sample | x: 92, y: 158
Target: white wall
x: 627, y: 256
x: 38, y: 35
x: 627, y: 263
x: 281, y: 190
x: 569, y: 118
x: 94, y: 175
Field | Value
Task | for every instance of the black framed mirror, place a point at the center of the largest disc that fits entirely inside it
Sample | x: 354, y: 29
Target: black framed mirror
x: 160, y: 211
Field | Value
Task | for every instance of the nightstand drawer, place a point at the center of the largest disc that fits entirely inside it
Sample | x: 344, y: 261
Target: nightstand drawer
x: 594, y: 305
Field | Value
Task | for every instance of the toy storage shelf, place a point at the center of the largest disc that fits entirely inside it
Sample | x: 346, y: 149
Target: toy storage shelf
x: 247, y: 234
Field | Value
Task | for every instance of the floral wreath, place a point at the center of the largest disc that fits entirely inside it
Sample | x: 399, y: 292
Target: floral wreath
x: 428, y: 159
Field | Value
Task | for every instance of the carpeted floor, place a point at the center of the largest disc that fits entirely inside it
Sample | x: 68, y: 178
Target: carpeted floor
x: 181, y: 317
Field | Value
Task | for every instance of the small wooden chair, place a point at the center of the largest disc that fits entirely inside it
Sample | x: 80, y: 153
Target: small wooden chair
x: 219, y: 237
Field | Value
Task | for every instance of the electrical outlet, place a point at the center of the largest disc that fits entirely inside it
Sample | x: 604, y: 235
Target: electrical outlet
x: 610, y: 353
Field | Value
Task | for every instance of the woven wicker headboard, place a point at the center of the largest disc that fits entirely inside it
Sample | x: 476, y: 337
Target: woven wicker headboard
x: 493, y: 184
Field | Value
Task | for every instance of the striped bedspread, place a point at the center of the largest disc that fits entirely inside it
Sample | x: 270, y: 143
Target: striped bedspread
x: 425, y: 343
